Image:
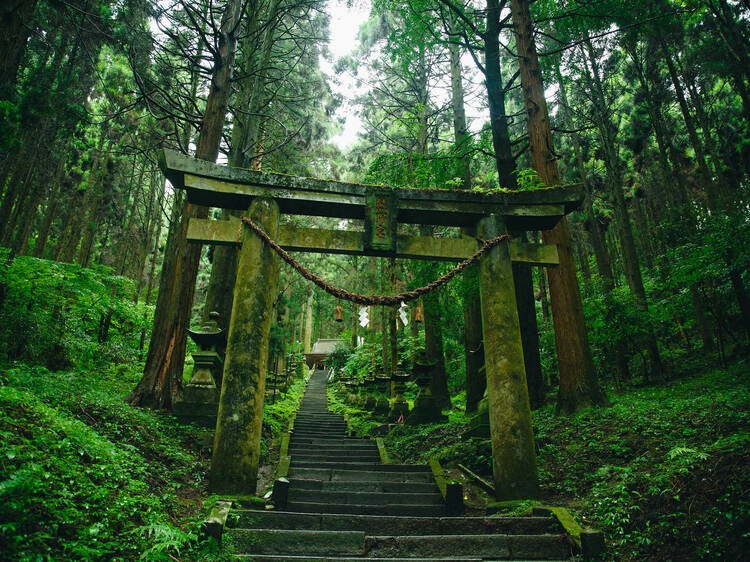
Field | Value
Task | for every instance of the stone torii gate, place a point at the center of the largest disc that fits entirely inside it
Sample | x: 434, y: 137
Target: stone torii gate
x: 265, y: 196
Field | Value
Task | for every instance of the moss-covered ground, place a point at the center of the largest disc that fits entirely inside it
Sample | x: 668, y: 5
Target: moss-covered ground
x: 663, y: 471
x: 85, y: 476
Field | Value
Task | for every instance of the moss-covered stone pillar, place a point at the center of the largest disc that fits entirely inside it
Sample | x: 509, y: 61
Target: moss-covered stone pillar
x: 234, y: 466
x: 513, y: 455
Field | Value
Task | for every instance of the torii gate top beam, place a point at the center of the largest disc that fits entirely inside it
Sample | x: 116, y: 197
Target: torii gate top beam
x: 213, y: 185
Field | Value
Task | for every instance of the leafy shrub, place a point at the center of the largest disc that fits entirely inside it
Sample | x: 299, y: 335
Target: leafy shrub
x: 62, y: 315
x: 85, y: 476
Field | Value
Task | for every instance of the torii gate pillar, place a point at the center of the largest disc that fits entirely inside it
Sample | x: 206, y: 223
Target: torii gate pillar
x: 513, y: 455
x: 234, y: 466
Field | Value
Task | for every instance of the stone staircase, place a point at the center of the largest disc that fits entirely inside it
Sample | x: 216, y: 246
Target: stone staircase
x: 343, y: 504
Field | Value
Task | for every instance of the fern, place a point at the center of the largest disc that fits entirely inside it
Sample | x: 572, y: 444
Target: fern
x: 686, y: 452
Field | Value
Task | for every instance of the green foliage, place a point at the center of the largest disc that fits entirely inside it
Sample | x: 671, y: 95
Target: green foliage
x: 277, y: 413
x: 661, y: 463
x: 53, y: 313
x: 85, y: 476
x: 432, y: 171
x: 528, y: 179
x: 661, y: 472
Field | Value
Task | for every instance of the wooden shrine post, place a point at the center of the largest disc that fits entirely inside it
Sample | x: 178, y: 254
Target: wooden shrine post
x: 513, y: 454
x: 234, y: 466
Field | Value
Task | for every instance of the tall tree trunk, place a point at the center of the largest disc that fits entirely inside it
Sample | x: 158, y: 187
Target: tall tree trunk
x: 506, y: 167
x: 700, y: 157
x: 162, y: 376
x: 307, y: 337
x: 433, y: 337
x: 90, y: 212
x: 14, y: 30
x: 71, y: 235
x: 496, y: 98
x: 220, y: 292
x: 48, y: 177
x: 578, y: 382
x: 473, y: 352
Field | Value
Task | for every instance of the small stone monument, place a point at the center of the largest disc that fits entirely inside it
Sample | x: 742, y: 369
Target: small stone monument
x: 370, y: 388
x: 399, y: 405
x: 426, y: 408
x: 198, y: 401
x: 382, y: 405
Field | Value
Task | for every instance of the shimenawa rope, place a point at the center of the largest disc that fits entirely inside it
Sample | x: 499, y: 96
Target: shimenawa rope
x: 376, y: 300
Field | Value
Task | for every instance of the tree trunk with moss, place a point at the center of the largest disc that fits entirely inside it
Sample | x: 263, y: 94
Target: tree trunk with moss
x: 579, y: 386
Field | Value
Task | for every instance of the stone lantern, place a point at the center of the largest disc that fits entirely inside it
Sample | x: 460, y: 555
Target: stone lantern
x: 199, y: 399
x: 426, y: 408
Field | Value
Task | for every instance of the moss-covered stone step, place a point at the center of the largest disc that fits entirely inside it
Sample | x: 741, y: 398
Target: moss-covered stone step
x: 272, y: 558
x: 364, y: 498
x: 369, y: 467
x: 334, y: 448
x: 324, y: 456
x: 297, y: 542
x: 488, y: 547
x: 365, y: 486
x: 316, y: 441
x: 313, y: 433
x: 328, y: 474
x: 367, y: 509
x: 319, y: 425
x: 395, y: 525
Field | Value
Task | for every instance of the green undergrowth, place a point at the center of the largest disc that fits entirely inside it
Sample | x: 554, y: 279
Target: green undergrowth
x: 663, y: 471
x: 84, y: 476
x: 277, y: 414
x: 358, y: 421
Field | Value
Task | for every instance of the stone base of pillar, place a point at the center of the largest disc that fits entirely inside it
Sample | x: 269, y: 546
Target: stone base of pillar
x: 399, y: 409
x: 426, y: 410
x: 479, y: 424
x: 381, y: 406
x: 197, y: 404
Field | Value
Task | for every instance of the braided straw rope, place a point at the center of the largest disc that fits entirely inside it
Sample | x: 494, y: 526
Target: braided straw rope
x: 376, y: 300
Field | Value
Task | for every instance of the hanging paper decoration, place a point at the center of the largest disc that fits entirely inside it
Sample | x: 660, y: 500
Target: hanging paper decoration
x: 402, y: 314
x: 364, y: 317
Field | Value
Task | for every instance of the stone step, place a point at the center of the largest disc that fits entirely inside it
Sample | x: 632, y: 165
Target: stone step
x: 364, y: 486
x: 494, y: 547
x: 340, y: 448
x: 394, y: 525
x: 316, y: 442
x: 410, y: 510
x: 297, y: 542
x: 272, y: 557
x: 338, y: 434
x: 327, y: 474
x: 310, y: 423
x: 367, y: 467
x: 323, y: 456
x: 364, y: 498
x: 307, y: 544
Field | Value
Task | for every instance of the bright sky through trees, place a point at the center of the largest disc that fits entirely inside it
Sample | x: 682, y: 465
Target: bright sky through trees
x: 346, y: 18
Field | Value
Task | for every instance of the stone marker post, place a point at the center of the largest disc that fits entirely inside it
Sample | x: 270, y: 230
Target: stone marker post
x: 234, y: 466
x: 513, y: 455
